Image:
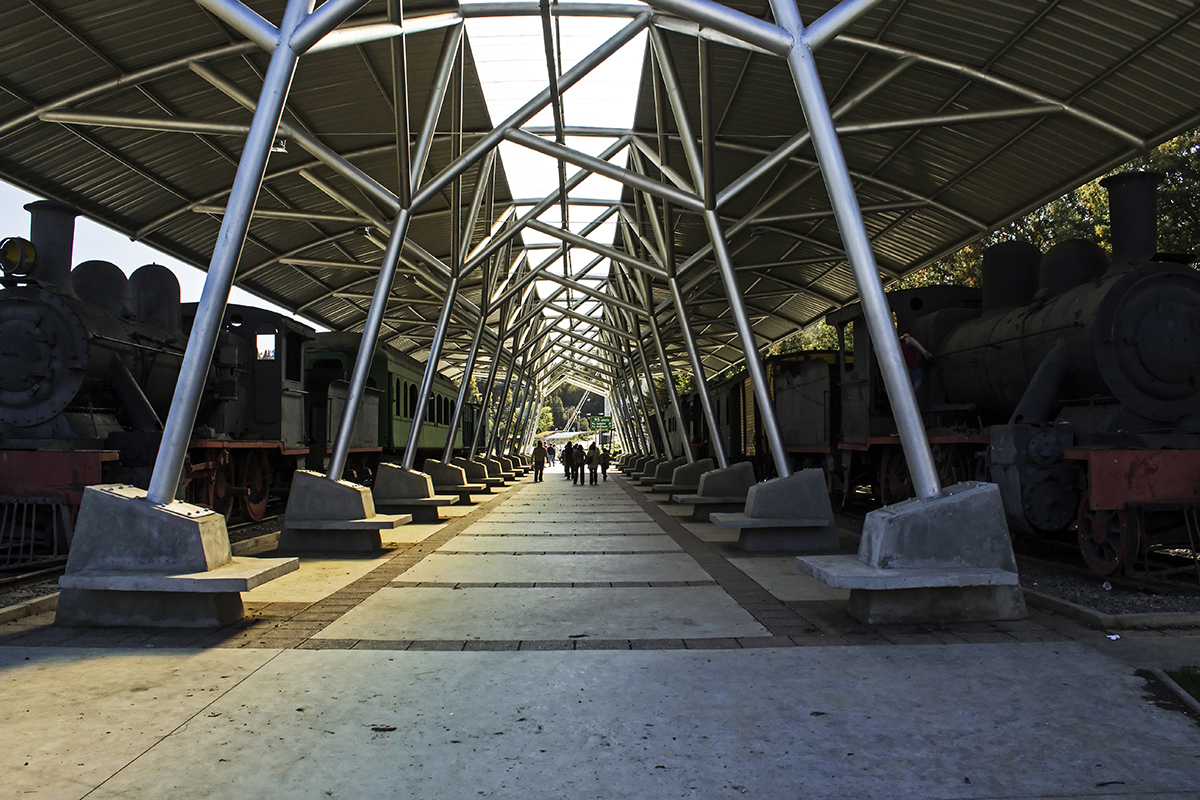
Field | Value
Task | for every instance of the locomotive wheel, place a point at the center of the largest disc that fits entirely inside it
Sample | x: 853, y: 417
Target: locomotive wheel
x: 895, y: 484
x: 1108, y: 540
x: 221, y: 490
x: 256, y: 478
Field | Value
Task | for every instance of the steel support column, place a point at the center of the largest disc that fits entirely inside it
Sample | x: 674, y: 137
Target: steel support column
x: 710, y: 416
x: 486, y: 395
x: 668, y: 378
x: 387, y: 275
x: 193, y: 374
x: 858, y: 251
x: 737, y: 306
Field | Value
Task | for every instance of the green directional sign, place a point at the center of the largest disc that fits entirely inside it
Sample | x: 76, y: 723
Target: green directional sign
x: 600, y: 423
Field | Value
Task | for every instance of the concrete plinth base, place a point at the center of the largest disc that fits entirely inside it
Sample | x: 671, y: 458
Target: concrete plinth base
x: 101, y: 609
x: 329, y: 515
x: 663, y: 472
x: 477, y: 473
x: 393, y: 481
x: 313, y: 496
x: 964, y: 527
x: 496, y: 470
x: 791, y: 513
x: 948, y: 559
x: 941, y: 604
x: 733, y: 481
x: 292, y: 540
x: 135, y: 563
x: 687, y: 478
x: 401, y: 491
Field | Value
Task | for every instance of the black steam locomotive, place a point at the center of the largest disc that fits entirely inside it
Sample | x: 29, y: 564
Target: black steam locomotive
x: 1070, y: 379
x: 88, y: 366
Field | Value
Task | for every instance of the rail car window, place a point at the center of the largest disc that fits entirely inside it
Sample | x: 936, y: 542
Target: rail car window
x: 441, y: 411
x: 293, y: 355
x: 264, y: 343
x: 412, y: 400
x: 397, y: 398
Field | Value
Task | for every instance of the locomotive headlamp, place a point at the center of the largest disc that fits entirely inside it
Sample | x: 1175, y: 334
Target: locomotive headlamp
x: 18, y: 256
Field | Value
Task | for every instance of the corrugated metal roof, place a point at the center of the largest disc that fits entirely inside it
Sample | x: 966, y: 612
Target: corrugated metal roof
x: 1119, y: 78
x: 155, y: 186
x: 1089, y: 83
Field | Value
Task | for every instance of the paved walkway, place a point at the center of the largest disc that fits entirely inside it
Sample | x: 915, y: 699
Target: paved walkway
x: 579, y: 641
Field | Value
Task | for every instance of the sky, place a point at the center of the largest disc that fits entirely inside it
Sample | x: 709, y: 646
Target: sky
x: 511, y: 62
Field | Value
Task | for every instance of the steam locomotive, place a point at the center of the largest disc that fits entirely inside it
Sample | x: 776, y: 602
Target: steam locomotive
x: 1070, y: 379
x: 88, y: 366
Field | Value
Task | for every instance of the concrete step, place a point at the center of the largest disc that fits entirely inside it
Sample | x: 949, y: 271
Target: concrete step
x: 727, y: 520
x: 436, y: 500
x: 379, y: 522
x: 239, y: 575
x: 847, y: 572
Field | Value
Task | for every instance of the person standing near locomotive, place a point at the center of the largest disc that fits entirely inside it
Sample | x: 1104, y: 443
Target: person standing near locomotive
x: 910, y: 348
x: 539, y: 462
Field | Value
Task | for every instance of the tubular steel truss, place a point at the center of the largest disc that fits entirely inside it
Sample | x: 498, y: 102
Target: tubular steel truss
x: 741, y: 155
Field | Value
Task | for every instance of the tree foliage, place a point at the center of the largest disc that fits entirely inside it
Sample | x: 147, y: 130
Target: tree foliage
x: 1083, y: 214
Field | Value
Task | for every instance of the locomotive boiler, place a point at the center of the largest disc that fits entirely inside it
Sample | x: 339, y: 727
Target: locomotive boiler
x: 74, y: 370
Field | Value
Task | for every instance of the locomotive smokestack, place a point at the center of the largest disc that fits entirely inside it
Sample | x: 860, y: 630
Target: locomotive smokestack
x: 52, y: 231
x: 1133, y: 216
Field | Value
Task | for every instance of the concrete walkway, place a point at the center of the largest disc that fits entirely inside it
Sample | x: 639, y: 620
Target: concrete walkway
x: 579, y: 641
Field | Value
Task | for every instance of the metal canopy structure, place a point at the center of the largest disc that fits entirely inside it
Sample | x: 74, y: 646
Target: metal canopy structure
x: 784, y: 160
x: 955, y: 119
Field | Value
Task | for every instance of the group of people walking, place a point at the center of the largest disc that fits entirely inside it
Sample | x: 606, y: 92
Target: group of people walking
x: 574, y: 459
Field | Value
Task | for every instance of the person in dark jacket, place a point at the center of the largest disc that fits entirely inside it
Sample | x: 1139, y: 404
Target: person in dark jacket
x: 567, y: 462
x: 593, y: 463
x: 604, y: 461
x: 578, y: 458
x: 539, y: 462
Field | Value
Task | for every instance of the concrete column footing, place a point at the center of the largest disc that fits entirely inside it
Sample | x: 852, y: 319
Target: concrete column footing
x: 138, y: 563
x: 938, y: 603
x: 104, y: 609
x: 946, y: 559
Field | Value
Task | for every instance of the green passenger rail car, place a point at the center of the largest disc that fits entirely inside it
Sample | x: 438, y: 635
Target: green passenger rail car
x: 330, y: 357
